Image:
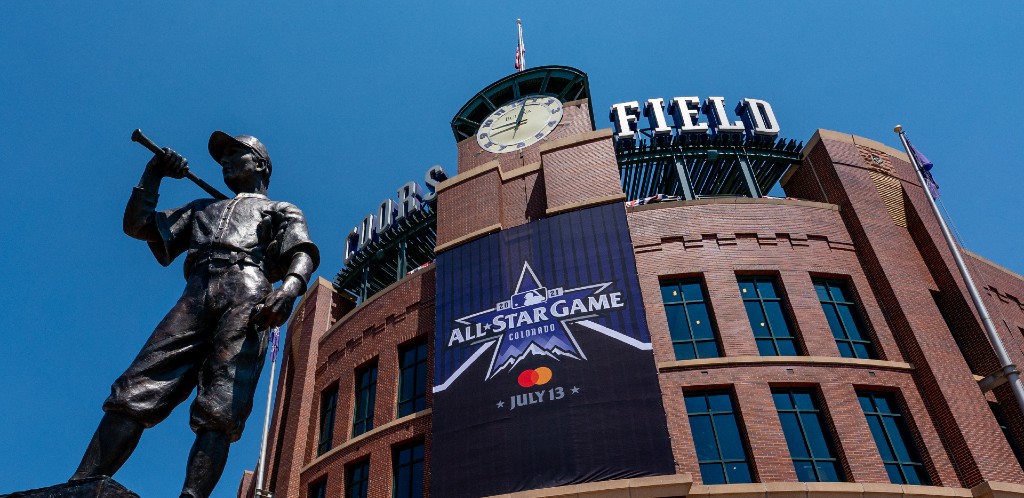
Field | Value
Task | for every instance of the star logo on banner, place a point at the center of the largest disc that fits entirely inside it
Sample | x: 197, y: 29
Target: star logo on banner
x: 534, y: 321
x: 530, y: 327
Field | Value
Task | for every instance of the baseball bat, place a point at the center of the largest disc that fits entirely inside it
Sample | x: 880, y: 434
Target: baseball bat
x: 137, y: 136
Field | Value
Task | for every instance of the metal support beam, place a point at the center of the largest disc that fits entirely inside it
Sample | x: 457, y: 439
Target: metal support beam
x: 403, y: 260
x: 748, y: 176
x: 997, y: 379
x: 684, y: 179
x: 364, y: 287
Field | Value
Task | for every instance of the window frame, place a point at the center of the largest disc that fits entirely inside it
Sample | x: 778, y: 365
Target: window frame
x: 350, y: 478
x: 328, y: 416
x: 710, y: 414
x: 787, y: 314
x: 685, y: 304
x: 826, y: 428
x: 418, y: 400
x: 317, y: 489
x: 907, y: 435
x: 864, y: 329
x: 363, y: 422
x: 396, y: 466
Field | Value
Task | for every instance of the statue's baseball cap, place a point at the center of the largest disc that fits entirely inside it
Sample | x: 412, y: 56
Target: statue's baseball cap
x: 219, y: 141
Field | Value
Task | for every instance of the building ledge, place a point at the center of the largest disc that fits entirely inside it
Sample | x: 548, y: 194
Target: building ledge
x: 734, y: 200
x: 736, y: 361
x: 997, y: 489
x: 993, y: 264
x: 487, y: 230
x: 838, y: 136
x: 640, y: 487
x: 681, y: 485
x: 825, y: 489
x: 366, y: 435
x: 354, y: 311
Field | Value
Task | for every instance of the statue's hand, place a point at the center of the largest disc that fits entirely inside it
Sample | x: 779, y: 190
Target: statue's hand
x: 277, y: 306
x: 169, y: 164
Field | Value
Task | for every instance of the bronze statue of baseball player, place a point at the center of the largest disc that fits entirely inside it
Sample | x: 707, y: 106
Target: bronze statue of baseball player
x: 215, y: 338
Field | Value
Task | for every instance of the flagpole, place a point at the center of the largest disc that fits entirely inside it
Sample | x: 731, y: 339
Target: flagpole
x: 521, y: 49
x: 1007, y: 368
x: 260, y: 492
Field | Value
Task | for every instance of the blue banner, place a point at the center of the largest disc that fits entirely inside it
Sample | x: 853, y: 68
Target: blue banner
x: 543, y: 371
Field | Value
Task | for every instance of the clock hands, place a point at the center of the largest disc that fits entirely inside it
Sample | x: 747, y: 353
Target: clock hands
x: 519, y: 119
x: 536, y: 118
x: 505, y: 128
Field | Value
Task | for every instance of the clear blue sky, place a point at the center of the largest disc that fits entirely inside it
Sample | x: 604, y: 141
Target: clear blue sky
x: 355, y: 98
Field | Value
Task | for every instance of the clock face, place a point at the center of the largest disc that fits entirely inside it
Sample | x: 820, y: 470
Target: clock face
x: 519, y: 124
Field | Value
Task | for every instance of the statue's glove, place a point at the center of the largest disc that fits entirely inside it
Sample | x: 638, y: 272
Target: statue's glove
x: 274, y: 310
x: 170, y: 164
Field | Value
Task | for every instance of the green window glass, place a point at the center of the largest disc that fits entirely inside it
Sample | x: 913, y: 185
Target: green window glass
x: 721, y: 451
x: 408, y: 467
x: 844, y: 319
x: 328, y: 406
x: 766, y: 310
x: 807, y: 435
x: 366, y: 398
x: 412, y: 378
x: 357, y: 480
x: 902, y: 462
x: 318, y: 489
x: 689, y: 319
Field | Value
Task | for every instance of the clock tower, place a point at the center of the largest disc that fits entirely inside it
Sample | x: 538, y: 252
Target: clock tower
x: 543, y: 368
x: 527, y: 149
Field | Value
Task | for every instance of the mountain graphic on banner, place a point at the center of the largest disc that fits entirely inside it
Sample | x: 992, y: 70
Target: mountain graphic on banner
x: 549, y: 350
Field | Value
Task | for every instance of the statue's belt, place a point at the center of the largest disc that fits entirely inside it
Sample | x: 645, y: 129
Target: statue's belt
x: 227, y: 257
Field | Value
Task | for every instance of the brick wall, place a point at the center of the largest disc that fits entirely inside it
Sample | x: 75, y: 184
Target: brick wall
x: 295, y: 400
x: 904, y: 265
x: 794, y: 241
x: 372, y: 332
x: 886, y: 247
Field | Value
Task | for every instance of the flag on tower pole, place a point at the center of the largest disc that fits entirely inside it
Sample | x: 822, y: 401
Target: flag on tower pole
x: 926, y: 170
x: 521, y: 48
x: 1009, y: 370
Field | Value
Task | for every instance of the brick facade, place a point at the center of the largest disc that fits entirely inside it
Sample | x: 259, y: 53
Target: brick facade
x: 862, y: 219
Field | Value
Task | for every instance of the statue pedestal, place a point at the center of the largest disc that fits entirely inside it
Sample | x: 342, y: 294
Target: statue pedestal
x: 96, y: 487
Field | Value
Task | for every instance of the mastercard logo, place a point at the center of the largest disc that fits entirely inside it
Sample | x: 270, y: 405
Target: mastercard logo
x: 535, y: 377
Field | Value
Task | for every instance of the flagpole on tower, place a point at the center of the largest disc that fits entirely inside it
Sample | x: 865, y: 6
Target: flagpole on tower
x: 520, y: 49
x: 1007, y: 368
x: 275, y: 338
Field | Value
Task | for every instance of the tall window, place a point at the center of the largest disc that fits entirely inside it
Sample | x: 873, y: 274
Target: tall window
x: 689, y: 321
x: 357, y: 479
x: 366, y: 397
x: 766, y: 311
x: 1005, y: 427
x: 328, y: 405
x: 408, y: 465
x: 318, y: 489
x: 844, y: 319
x: 412, y: 378
x: 807, y: 435
x: 721, y: 452
x: 902, y: 462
